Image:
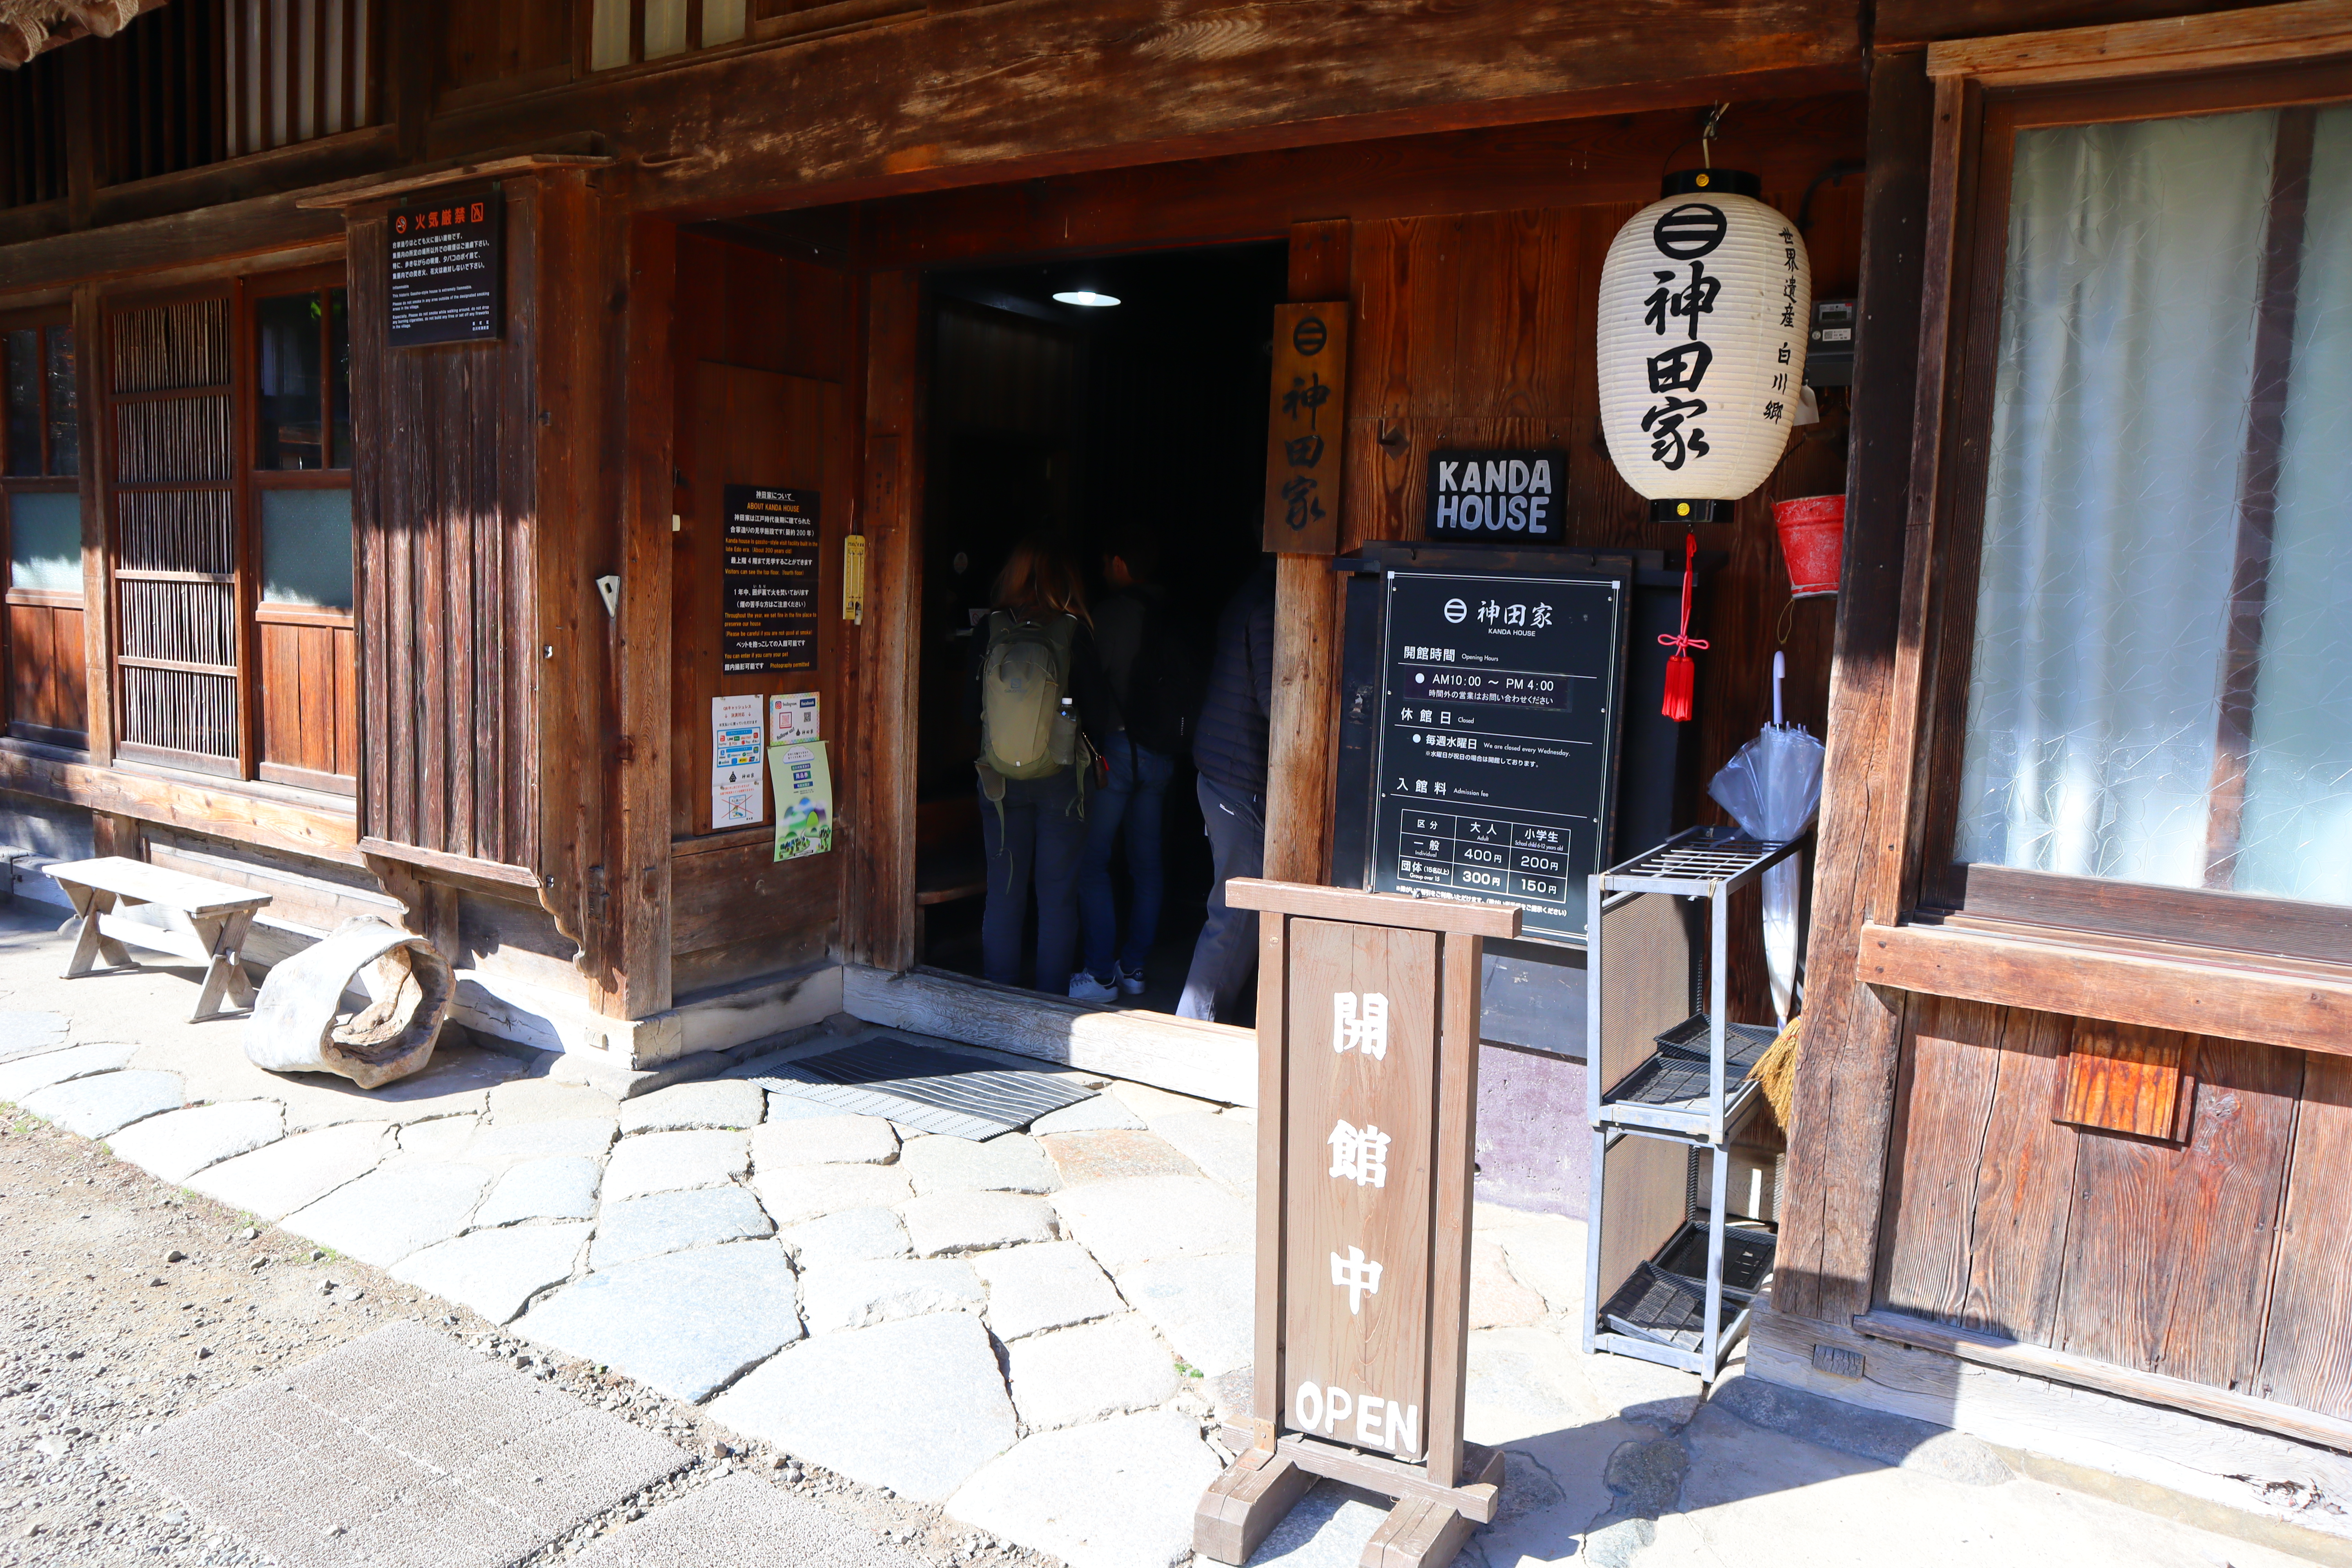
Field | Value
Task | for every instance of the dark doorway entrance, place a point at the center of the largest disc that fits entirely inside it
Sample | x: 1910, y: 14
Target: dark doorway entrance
x: 1084, y: 424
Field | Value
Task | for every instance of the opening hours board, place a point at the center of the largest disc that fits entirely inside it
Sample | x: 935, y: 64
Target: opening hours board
x: 1498, y: 737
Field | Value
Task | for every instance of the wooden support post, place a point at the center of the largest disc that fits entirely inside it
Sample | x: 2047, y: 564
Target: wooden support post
x: 641, y: 848
x: 1303, y: 736
x: 1845, y: 1090
x: 878, y: 776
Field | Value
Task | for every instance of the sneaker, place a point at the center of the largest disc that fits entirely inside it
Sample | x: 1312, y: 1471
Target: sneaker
x: 1132, y: 982
x: 1084, y: 987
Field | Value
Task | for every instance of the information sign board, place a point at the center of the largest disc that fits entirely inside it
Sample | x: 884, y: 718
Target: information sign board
x: 445, y: 272
x: 767, y: 615
x: 1497, y: 738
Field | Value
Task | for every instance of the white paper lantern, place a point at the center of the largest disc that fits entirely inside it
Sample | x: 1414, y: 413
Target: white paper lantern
x: 1705, y: 300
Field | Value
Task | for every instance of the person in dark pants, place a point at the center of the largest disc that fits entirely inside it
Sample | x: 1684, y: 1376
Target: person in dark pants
x: 1230, y: 752
x: 1132, y: 631
x: 1036, y: 691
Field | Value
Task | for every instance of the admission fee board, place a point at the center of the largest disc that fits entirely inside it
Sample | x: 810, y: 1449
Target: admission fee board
x: 1498, y: 748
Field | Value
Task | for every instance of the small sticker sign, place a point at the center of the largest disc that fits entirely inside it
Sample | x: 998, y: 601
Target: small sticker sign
x: 445, y: 272
x: 792, y: 718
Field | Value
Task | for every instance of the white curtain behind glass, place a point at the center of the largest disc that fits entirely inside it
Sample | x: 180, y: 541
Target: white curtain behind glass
x: 2296, y: 841
x: 2111, y: 505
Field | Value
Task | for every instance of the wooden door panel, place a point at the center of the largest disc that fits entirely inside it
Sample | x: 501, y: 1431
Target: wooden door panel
x: 748, y: 427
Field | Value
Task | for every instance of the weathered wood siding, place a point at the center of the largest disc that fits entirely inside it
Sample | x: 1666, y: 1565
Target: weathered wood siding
x: 2217, y: 1259
x: 444, y: 500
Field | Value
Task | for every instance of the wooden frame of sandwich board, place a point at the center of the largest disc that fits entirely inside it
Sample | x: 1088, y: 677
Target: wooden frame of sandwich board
x: 1407, y: 1057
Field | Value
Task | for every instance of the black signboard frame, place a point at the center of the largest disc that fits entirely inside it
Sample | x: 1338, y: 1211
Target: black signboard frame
x: 1370, y: 826
x: 454, y: 248
x: 1491, y: 508
x: 769, y: 550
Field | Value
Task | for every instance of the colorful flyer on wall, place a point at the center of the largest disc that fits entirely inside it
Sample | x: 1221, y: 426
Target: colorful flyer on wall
x: 792, y: 718
x: 736, y: 768
x: 803, y: 800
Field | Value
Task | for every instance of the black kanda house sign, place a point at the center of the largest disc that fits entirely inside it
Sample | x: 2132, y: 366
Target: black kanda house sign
x: 1498, y: 498
x: 1706, y: 298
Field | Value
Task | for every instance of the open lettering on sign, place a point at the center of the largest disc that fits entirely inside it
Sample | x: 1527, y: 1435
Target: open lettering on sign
x: 1376, y: 1423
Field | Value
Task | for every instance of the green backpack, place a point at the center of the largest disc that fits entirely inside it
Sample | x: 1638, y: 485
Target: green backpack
x: 1028, y: 725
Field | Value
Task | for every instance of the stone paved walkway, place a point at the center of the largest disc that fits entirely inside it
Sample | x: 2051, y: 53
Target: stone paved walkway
x: 1041, y: 1333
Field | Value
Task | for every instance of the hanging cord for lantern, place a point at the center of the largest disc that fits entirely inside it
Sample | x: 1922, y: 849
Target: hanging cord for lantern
x: 1708, y: 129
x: 1681, y: 673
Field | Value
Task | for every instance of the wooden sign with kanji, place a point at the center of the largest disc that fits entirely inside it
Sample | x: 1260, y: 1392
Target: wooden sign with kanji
x: 1367, y: 1070
x: 1306, y: 423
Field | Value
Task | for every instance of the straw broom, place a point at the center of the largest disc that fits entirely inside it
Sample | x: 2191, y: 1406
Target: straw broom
x: 1776, y: 1069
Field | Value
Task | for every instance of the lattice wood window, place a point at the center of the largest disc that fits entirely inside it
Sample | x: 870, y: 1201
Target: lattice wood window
x: 40, y: 517
x: 624, y: 32
x: 230, y: 448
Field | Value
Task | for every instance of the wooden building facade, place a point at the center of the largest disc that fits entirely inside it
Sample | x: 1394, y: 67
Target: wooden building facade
x: 725, y: 232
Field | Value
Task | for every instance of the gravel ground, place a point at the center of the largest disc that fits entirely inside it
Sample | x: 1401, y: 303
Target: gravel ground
x: 124, y: 1304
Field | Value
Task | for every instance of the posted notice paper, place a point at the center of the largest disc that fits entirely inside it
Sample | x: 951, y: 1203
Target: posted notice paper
x: 803, y: 800
x: 792, y: 718
x: 737, y: 781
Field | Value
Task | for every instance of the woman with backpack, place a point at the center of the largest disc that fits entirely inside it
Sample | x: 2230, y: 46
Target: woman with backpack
x: 1036, y: 689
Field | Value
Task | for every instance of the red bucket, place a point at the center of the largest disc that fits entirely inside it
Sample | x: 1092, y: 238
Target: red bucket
x: 1813, y: 540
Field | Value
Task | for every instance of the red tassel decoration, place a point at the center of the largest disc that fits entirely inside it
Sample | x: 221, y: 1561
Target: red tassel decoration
x: 1681, y: 673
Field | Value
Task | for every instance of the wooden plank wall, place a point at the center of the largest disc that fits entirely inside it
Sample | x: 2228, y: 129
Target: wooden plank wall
x: 445, y: 499
x: 2218, y: 1259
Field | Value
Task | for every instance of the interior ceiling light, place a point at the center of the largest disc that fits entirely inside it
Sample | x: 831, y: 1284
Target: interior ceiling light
x: 1086, y: 297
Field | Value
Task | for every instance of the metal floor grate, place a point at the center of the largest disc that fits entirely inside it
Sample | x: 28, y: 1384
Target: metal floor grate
x: 919, y: 1085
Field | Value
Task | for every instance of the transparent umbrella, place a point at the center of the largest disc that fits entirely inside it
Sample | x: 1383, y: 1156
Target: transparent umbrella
x: 1772, y: 788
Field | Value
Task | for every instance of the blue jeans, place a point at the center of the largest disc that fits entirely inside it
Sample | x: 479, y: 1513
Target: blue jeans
x: 1038, y: 840
x: 1128, y: 807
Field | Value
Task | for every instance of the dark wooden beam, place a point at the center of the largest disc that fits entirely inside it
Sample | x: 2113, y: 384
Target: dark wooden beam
x: 960, y: 96
x: 1260, y: 195
x: 1845, y: 1086
x: 239, y: 228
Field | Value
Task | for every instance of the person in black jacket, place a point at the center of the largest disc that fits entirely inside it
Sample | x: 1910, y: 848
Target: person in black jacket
x: 1131, y: 623
x: 1230, y: 752
x: 1036, y: 827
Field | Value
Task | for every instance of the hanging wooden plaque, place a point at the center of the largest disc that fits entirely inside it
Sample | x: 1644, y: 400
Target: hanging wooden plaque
x: 1306, y: 425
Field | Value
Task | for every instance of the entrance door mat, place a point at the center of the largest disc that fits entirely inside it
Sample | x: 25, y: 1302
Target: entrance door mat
x: 919, y: 1086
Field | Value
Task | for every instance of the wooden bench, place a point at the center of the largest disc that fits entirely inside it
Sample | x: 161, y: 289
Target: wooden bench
x: 205, y: 922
